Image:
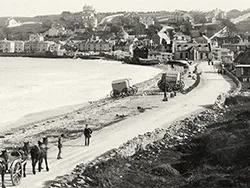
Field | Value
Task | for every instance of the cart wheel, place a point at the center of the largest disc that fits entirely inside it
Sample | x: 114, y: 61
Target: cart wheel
x: 114, y: 94
x: 125, y: 92
x: 131, y: 91
x: 16, y: 172
x: 135, y: 89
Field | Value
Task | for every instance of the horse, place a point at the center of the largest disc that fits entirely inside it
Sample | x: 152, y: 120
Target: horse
x: 3, y: 165
x: 38, y: 153
x: 24, y: 154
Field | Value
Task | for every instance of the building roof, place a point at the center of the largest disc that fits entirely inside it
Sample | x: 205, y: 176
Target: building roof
x: 243, y: 58
x: 184, y: 47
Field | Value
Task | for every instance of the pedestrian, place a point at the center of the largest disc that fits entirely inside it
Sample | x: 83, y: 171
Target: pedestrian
x: 87, y: 134
x: 59, y: 145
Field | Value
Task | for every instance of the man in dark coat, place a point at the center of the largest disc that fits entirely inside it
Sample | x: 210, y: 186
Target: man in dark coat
x: 87, y: 134
x: 60, y: 145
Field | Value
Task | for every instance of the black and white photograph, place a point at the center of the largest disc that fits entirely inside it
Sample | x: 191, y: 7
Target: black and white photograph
x: 124, y: 94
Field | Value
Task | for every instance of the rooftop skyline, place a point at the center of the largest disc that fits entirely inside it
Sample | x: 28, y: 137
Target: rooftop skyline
x: 46, y: 7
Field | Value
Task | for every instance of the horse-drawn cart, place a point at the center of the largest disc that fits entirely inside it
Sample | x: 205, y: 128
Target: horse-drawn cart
x: 14, y: 166
x: 171, y: 81
x: 16, y: 162
x: 122, y: 88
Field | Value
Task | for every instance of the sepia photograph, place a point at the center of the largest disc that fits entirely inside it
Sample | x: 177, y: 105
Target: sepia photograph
x: 124, y: 94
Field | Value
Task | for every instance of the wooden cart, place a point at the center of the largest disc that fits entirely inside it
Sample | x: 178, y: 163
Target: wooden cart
x: 15, y: 163
x: 122, y: 88
x: 173, y: 82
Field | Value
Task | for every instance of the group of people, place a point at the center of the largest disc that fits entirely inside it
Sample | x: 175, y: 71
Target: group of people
x: 87, y: 134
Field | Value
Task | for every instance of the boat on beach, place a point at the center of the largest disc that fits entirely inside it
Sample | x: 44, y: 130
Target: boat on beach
x: 141, y: 61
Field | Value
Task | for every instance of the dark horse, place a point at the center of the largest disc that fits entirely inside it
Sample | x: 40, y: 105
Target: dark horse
x: 3, y: 165
x: 38, y: 153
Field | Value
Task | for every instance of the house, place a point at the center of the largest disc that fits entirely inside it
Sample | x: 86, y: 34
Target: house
x: 203, y: 39
x: 123, y: 34
x: 221, y: 53
x: 44, y: 46
x: 228, y: 39
x: 161, y: 56
x: 147, y: 21
x: 192, y: 51
x: 140, y: 29
x: 123, y: 46
x: 97, y: 46
x: 19, y: 46
x: 7, y: 46
x: 30, y: 46
x: 180, y: 37
x: 243, y: 72
x: 56, y: 30
x: 140, y: 52
x: 235, y: 47
x: 82, y: 46
x: 55, y: 47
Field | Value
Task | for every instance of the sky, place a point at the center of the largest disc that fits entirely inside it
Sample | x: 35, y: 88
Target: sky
x: 45, y: 7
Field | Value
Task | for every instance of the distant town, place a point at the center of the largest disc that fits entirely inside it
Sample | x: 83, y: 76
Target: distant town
x: 157, y: 36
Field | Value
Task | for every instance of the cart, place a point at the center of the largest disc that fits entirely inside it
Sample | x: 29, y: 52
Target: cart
x: 173, y: 82
x: 15, y: 164
x: 122, y: 88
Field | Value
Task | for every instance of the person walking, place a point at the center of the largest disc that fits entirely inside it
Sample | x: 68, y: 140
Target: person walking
x: 59, y: 145
x: 87, y: 134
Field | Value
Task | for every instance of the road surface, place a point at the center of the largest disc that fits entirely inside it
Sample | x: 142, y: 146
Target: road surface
x: 113, y: 136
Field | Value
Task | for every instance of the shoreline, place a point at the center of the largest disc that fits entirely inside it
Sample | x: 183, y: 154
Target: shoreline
x: 28, y: 116
x: 41, y: 116
x: 37, y: 117
x: 98, y: 114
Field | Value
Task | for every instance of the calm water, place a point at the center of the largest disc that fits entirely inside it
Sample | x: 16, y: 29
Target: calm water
x: 33, y: 85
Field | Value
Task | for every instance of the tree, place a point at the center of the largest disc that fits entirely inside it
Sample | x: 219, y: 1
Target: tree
x: 199, y: 17
x: 152, y: 30
x: 114, y: 28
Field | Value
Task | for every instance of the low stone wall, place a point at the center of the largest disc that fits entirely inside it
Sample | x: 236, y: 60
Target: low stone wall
x: 236, y: 81
x: 220, y: 101
x: 196, y: 83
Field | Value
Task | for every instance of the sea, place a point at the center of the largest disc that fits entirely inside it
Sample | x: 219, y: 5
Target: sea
x: 30, y: 85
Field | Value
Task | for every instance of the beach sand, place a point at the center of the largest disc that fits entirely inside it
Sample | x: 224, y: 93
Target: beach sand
x: 71, y: 120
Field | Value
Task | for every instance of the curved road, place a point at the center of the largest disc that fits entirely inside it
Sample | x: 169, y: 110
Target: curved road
x: 113, y: 136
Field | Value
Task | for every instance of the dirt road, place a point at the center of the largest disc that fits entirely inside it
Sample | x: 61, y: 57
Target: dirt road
x: 113, y: 136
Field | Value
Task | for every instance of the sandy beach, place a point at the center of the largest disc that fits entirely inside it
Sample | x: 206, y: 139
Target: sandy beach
x: 71, y: 120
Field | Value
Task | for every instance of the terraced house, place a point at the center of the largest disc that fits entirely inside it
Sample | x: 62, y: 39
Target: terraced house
x: 193, y: 51
x: 7, y: 46
x: 96, y: 46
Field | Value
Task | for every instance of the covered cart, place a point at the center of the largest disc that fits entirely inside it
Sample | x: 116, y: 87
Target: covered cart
x: 122, y: 88
x: 171, y: 81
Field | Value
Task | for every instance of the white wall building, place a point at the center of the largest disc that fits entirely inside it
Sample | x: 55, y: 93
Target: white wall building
x: 19, y: 46
x: 44, y: 46
x: 7, y: 46
x: 147, y: 21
